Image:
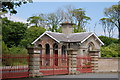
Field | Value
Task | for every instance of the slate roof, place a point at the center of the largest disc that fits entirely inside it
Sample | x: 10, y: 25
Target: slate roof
x: 73, y: 37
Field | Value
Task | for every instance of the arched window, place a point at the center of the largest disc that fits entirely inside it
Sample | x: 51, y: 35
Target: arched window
x: 40, y: 46
x: 90, y: 46
x: 55, y: 52
x: 47, y: 49
x: 63, y: 50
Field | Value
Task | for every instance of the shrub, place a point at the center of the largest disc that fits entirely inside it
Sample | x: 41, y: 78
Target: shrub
x: 17, y: 50
x: 107, y: 41
x: 4, y: 48
x: 113, y: 50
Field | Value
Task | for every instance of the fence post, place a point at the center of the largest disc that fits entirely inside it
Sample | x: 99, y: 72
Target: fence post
x: 34, y: 61
x: 94, y: 61
x: 72, y: 55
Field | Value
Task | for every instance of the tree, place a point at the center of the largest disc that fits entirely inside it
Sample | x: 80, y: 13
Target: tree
x: 80, y: 18
x: 108, y: 52
x: 111, y: 50
x: 112, y: 18
x: 31, y: 34
x: 77, y: 29
x: 35, y: 20
x: 9, y: 6
x: 54, y: 20
x: 13, y: 32
x: 107, y: 25
x: 107, y: 40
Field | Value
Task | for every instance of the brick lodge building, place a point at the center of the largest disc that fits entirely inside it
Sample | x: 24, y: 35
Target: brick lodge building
x: 54, y: 49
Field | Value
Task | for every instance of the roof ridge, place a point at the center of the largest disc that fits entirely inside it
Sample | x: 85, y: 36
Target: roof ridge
x: 55, y: 32
x: 81, y: 33
x: 68, y: 34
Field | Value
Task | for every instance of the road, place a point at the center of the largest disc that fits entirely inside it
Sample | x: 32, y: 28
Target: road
x: 88, y: 76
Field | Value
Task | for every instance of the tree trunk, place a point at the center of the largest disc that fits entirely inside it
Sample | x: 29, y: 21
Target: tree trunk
x: 118, y: 31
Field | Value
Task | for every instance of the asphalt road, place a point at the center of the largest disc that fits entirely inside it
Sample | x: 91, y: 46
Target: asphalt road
x: 88, y: 76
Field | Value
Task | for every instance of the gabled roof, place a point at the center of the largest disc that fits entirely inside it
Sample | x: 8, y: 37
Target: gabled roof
x: 73, y: 37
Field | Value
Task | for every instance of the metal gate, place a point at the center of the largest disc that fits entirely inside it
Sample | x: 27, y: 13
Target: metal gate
x: 84, y: 64
x: 14, y: 66
x: 53, y: 65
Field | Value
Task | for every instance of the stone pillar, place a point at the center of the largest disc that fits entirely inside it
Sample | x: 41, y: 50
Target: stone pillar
x: 43, y: 56
x: 51, y: 57
x: 72, y: 54
x: 34, y: 62
x: 59, y: 57
x: 94, y: 61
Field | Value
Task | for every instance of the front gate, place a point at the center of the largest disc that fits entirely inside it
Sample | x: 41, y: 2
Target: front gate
x: 14, y: 66
x: 17, y: 66
x: 53, y: 65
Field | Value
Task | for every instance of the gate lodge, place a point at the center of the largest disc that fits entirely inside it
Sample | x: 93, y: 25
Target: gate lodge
x: 64, y: 53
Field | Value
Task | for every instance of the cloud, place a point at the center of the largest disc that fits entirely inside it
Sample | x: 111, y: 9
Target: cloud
x: 15, y: 18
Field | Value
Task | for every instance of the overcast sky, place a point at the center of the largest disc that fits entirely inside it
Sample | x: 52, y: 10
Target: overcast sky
x: 93, y: 9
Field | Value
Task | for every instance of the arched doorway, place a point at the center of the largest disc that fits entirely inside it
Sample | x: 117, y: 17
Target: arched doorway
x: 55, y: 52
x: 91, y: 46
x: 47, y: 51
x: 40, y: 48
x: 63, y: 50
x: 64, y: 55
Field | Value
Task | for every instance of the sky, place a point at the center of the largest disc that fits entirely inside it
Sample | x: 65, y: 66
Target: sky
x: 93, y: 9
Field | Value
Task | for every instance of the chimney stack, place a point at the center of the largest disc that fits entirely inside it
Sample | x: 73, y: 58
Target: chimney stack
x: 67, y: 27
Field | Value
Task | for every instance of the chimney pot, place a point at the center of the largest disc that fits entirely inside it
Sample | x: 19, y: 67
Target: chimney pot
x: 67, y: 27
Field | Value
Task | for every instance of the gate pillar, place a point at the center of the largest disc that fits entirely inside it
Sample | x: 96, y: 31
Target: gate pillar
x: 72, y: 55
x: 94, y: 62
x: 34, y: 61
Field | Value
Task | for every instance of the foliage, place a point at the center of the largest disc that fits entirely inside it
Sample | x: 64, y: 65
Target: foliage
x: 4, y: 48
x: 17, y: 50
x: 13, y: 50
x: 107, y: 26
x: 111, y: 51
x: 107, y: 41
x: 11, y: 5
x: 77, y: 29
x: 112, y: 19
x: 116, y: 47
x: 80, y: 18
x: 31, y: 34
x: 14, y: 59
x: 108, y: 52
x: 52, y: 21
x: 12, y: 32
x: 36, y: 20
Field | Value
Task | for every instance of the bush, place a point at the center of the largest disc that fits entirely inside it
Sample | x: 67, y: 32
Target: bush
x: 107, y: 41
x: 108, y: 52
x: 14, y: 59
x: 31, y: 34
x: 113, y: 50
x: 17, y: 50
x: 4, y: 48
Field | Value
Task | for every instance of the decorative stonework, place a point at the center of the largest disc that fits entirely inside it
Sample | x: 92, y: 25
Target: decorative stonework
x: 72, y: 54
x: 94, y: 61
x: 34, y: 62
